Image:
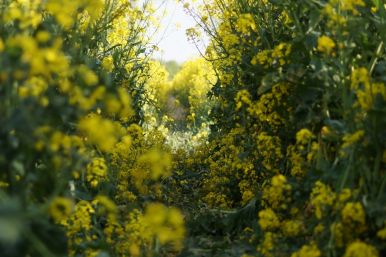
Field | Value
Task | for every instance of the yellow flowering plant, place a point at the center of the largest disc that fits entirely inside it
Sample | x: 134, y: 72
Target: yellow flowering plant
x: 72, y: 75
x: 297, y: 135
x: 270, y: 144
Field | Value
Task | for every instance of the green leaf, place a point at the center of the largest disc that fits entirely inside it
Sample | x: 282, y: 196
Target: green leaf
x: 268, y: 82
x: 377, y: 3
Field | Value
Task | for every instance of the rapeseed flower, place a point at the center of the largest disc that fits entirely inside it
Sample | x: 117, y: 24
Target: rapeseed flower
x: 360, y: 249
x: 303, y: 136
x: 326, y: 45
x: 60, y: 209
x: 308, y: 251
x: 268, y: 219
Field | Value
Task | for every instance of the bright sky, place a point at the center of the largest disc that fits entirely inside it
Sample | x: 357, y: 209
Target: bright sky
x: 173, y: 43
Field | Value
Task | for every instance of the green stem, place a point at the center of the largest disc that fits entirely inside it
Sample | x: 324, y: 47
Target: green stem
x: 330, y: 246
x: 374, y: 59
x: 38, y: 244
x: 377, y: 164
x: 297, y: 22
x: 347, y: 171
x: 382, y: 188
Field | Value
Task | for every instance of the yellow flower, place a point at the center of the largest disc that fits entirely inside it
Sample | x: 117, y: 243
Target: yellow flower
x: 167, y: 224
x: 267, y: 244
x: 92, y: 253
x: 94, y: 8
x: 270, y: 57
x: 66, y: 12
x: 108, y: 63
x: 360, y: 249
x: 159, y: 162
x: 99, y: 131
x: 134, y: 250
x: 382, y: 233
x: 60, y: 209
x: 292, y: 228
x: 321, y: 197
x: 262, y: 58
x: 246, y: 24
x: 242, y: 97
x: 268, y: 219
x: 326, y: 132
x: 307, y: 251
x: 364, y: 89
x: 96, y: 171
x: 344, y: 195
x: 80, y: 218
x: 353, y: 214
x: 350, y: 139
x: 351, y: 5
x: 108, y: 204
x: 35, y: 86
x: 247, y: 196
x: 360, y: 76
x: 87, y: 75
x: 123, y: 147
x: 63, y: 11
x: 43, y: 36
x: 326, y: 44
x: 274, y: 194
x: 303, y: 136
x: 336, y: 229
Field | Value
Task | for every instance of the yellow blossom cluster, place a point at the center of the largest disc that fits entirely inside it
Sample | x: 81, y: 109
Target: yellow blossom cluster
x: 274, y: 195
x: 326, y: 45
x: 268, y: 58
